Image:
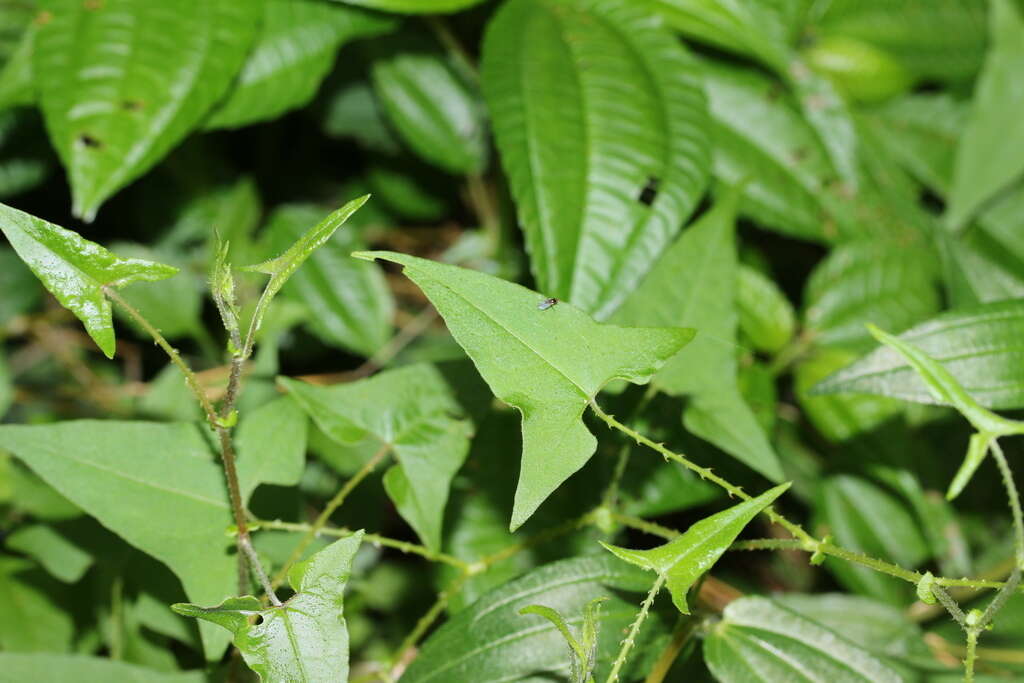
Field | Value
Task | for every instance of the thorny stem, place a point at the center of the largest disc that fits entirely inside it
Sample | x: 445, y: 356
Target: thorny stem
x: 627, y: 644
x: 334, y: 504
x: 172, y: 353
x: 403, y: 546
x: 1014, y: 499
x: 610, y: 498
x: 802, y: 541
x: 971, y: 655
x: 227, y: 451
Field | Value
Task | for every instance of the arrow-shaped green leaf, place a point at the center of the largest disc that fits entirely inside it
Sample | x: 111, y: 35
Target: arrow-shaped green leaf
x: 685, y: 559
x: 75, y: 270
x: 282, y: 267
x: 306, y: 639
x: 549, y: 363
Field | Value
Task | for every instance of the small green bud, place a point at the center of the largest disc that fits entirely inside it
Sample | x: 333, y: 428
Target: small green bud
x: 924, y: 589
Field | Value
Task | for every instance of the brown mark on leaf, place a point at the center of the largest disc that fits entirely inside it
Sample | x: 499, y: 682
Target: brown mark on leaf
x: 132, y: 105
x: 649, y: 192
x: 89, y: 141
x: 92, y: 4
x: 44, y: 18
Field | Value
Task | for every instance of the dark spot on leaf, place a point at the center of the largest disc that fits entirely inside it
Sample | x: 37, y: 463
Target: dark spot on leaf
x: 799, y: 154
x: 44, y: 18
x: 89, y: 141
x: 131, y: 105
x: 649, y: 192
x: 92, y: 4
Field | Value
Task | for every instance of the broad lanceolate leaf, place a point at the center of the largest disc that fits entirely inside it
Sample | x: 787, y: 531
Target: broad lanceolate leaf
x: 694, y: 285
x: 987, y: 158
x: 411, y: 411
x: 414, y: 6
x: 306, y: 639
x: 766, y: 317
x: 491, y: 641
x: 271, y: 445
x: 870, y: 282
x: 688, y: 557
x: 945, y: 388
x: 75, y: 270
x: 548, y: 363
x: 865, y: 518
x: 601, y: 125
x: 763, y: 640
x: 282, y: 267
x: 155, y: 485
x: 979, y: 346
x: 348, y: 301
x: 121, y: 82
x: 84, y: 669
x: 294, y: 51
x: 433, y: 110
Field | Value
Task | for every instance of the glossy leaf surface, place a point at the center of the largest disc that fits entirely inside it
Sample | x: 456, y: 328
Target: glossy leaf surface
x: 685, y: 559
x: 296, y: 47
x: 282, y: 267
x: 546, y: 363
x: 75, y: 270
x: 979, y: 346
x: 306, y: 639
x: 869, y: 282
x: 409, y: 410
x: 122, y: 82
x: 599, y: 119
x: 490, y: 640
x: 694, y: 285
x: 436, y: 114
x: 762, y: 640
x: 987, y: 159
x: 169, y: 502
x: 348, y: 301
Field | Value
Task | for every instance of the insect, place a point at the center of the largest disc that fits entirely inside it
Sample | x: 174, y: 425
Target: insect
x: 546, y: 304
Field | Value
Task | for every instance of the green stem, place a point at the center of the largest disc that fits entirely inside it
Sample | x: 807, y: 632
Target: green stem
x: 486, y: 209
x: 610, y: 498
x: 972, y: 655
x: 1014, y: 499
x: 459, y: 56
x: 802, y: 540
x: 641, y: 616
x: 647, y: 527
x: 334, y: 504
x: 681, y: 634
x: 426, y: 621
x: 403, y: 546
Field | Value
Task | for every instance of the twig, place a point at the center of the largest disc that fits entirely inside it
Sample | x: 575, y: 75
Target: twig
x: 641, y: 616
x: 332, y: 505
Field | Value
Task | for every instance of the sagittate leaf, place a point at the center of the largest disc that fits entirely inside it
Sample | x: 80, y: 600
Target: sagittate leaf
x: 869, y: 282
x: 349, y: 302
x: 979, y: 346
x: 409, y: 410
x: 155, y: 485
x: 546, y: 363
x: 284, y: 266
x: 986, y: 160
x: 76, y: 270
x: 762, y: 640
x: 121, y: 82
x: 694, y: 285
x: 304, y: 640
x: 415, y: 6
x: 490, y: 641
x: 688, y: 557
x: 434, y: 111
x: 601, y: 125
x: 294, y: 50
x: 84, y: 669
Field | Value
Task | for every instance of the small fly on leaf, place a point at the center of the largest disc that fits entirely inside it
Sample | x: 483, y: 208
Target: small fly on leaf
x: 546, y: 304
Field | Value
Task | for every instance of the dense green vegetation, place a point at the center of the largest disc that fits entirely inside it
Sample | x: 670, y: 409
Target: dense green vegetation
x: 511, y: 340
